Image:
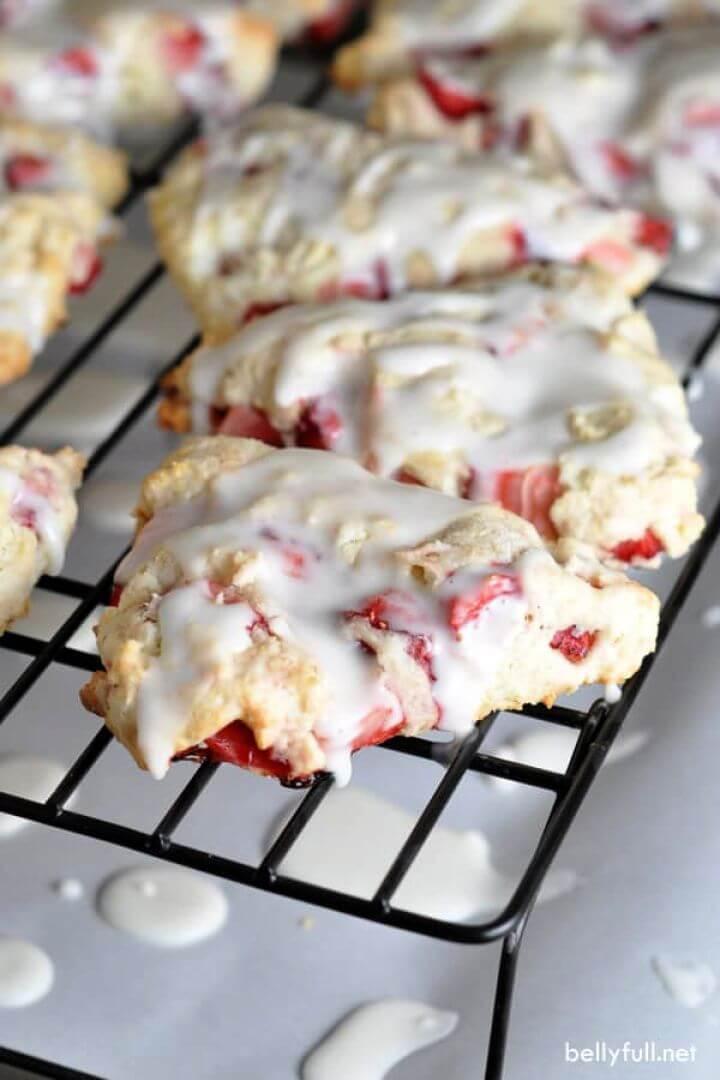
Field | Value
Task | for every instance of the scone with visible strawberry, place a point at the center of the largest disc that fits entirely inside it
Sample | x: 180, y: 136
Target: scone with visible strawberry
x: 545, y: 393
x: 38, y: 512
x: 281, y: 609
x: 289, y: 205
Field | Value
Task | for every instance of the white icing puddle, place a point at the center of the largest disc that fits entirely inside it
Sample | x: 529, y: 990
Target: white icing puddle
x: 68, y: 889
x: 710, y: 617
x: 689, y: 982
x: 33, y: 778
x: 109, y: 506
x: 82, y: 414
x: 48, y: 611
x: 355, y: 835
x: 26, y: 973
x: 163, y: 906
x: 551, y: 748
x: 374, y: 1038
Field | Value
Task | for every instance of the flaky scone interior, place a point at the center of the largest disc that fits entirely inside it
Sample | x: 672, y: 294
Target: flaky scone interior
x: 38, y: 512
x: 282, y: 608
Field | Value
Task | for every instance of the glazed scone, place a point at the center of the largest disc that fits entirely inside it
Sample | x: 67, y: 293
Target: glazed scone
x: 401, y: 31
x: 546, y: 394
x: 109, y: 66
x: 637, y: 126
x: 35, y: 157
x: 38, y: 512
x: 282, y: 608
x: 289, y: 205
x: 48, y: 250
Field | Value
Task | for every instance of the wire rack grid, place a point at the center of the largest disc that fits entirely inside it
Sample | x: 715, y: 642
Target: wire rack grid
x: 596, y: 726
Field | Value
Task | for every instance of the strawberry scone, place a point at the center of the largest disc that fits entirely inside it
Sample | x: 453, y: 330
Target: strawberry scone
x: 638, y: 126
x: 38, y: 512
x: 48, y: 250
x: 289, y: 205
x: 401, y: 32
x: 283, y: 608
x: 35, y: 157
x: 546, y: 394
x: 109, y: 66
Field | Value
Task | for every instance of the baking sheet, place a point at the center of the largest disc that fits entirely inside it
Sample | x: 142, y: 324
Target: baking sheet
x: 252, y: 1001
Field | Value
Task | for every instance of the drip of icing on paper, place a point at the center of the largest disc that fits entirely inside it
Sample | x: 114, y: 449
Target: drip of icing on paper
x: 689, y: 982
x: 68, y: 889
x: 372, y: 1039
x: 26, y: 973
x: 355, y: 835
x: 551, y: 748
x: 30, y: 777
x: 710, y: 617
x: 163, y: 906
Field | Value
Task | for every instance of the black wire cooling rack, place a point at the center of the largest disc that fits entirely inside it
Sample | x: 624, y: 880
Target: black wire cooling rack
x: 596, y: 726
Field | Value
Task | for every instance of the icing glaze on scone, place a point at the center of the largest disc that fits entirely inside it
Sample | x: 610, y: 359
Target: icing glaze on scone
x: 638, y: 126
x: 292, y: 597
x: 546, y: 395
x: 290, y: 205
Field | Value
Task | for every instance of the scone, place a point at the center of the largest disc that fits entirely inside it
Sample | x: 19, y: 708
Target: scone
x: 282, y: 608
x: 101, y: 67
x: 638, y: 126
x: 48, y: 250
x: 289, y: 205
x: 35, y: 157
x: 546, y: 394
x: 38, y: 512
x: 402, y: 31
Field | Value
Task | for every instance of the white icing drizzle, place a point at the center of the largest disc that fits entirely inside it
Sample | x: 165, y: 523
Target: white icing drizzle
x: 26, y: 973
x: 302, y: 501
x: 689, y: 982
x: 163, y: 906
x: 353, y: 838
x: 30, y: 777
x: 69, y: 889
x: 372, y: 200
x: 497, y: 396
x: 711, y: 617
x: 20, y: 492
x: 372, y: 1039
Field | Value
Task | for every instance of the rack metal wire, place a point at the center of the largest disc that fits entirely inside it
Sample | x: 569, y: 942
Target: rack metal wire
x: 596, y: 727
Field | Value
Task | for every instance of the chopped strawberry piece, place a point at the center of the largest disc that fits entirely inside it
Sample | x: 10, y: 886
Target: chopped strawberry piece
x: 23, y: 515
x: 622, y: 164
x: 611, y: 255
x: 468, y: 606
x: 87, y: 267
x: 26, y: 170
x: 518, y: 246
x: 79, y: 61
x: 318, y: 427
x: 404, y: 476
x: 376, y: 286
x: 295, y: 556
x: 395, y: 611
x: 454, y: 102
x: 574, y: 644
x: 247, y: 422
x: 7, y: 96
x: 330, y: 26
x: 523, y: 130
x: 703, y: 114
x: 375, y: 728
x: 256, y: 311
x: 235, y: 744
x: 654, y: 233
x: 182, y: 48
x: 646, y: 546
x: 468, y: 483
x: 530, y: 493
x: 115, y: 594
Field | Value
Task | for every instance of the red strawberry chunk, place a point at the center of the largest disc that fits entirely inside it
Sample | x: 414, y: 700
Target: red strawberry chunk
x: 115, y: 594
x: 23, y: 515
x: 646, y: 546
x: 703, y: 114
x: 376, y: 286
x: 518, y: 246
x: 26, y: 171
x: 182, y: 48
x: 256, y: 311
x: 654, y: 233
x: 622, y: 164
x: 454, y: 102
x: 78, y: 61
x: 87, y: 267
x: 318, y: 427
x: 611, y: 255
x: 530, y: 493
x: 375, y: 728
x: 468, y: 606
x: 395, y: 611
x: 328, y: 27
x: 574, y: 644
x: 245, y: 421
x: 404, y: 476
x: 235, y: 744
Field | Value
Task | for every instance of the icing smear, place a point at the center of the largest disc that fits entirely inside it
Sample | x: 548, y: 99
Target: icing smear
x: 322, y: 534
